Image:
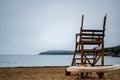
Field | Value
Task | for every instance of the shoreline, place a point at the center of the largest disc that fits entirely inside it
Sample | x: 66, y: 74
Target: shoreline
x: 41, y: 66
x: 33, y: 67
x: 48, y: 73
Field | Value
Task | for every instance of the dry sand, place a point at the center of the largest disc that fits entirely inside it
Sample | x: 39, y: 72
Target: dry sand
x: 48, y: 73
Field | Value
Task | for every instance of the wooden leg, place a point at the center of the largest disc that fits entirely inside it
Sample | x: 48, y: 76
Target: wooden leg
x: 87, y: 75
x: 84, y: 75
x: 100, y: 74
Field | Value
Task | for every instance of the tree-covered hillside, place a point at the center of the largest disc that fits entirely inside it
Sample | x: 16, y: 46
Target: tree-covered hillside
x: 115, y: 49
x: 57, y: 52
x: 110, y: 51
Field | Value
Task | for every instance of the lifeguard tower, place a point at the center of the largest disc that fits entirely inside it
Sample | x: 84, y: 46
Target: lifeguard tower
x: 94, y: 39
x: 89, y: 50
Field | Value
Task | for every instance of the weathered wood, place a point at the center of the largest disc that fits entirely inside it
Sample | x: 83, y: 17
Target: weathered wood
x: 90, y: 30
x: 89, y: 37
x: 89, y: 51
x: 82, y: 22
x: 89, y: 34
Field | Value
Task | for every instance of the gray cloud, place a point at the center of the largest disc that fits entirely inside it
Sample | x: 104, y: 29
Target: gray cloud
x: 33, y: 26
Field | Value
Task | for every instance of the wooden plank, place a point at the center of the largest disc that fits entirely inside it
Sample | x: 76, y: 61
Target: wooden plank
x: 84, y: 58
x: 88, y: 30
x: 88, y: 34
x: 89, y: 51
x: 90, y: 38
x: 91, y: 42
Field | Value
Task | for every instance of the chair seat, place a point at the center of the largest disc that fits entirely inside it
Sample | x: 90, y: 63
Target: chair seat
x: 91, y: 42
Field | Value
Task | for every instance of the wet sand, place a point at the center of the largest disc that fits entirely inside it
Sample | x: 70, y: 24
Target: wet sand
x: 49, y: 73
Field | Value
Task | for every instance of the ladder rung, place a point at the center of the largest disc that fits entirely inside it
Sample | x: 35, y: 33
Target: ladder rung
x: 84, y: 58
x: 89, y: 42
x: 92, y: 50
x: 80, y: 63
x: 91, y: 58
x: 89, y: 51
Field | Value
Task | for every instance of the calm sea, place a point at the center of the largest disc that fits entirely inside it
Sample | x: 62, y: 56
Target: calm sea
x: 44, y: 60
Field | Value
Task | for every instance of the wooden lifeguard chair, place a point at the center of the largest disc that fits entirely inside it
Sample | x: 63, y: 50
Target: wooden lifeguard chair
x: 85, y: 45
x: 90, y: 38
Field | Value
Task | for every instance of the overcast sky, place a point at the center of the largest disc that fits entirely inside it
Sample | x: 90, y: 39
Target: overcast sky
x: 33, y: 26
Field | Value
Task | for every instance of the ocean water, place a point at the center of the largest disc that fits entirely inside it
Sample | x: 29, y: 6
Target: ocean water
x: 45, y: 60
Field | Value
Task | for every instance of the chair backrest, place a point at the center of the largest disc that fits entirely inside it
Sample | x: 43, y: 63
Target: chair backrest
x: 91, y: 34
x: 91, y: 38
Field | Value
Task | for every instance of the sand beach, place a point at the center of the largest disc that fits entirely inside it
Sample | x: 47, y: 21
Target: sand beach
x: 49, y: 73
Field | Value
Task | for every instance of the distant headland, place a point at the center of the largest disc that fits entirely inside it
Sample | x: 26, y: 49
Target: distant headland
x: 110, y: 51
x: 113, y: 51
x: 57, y: 52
